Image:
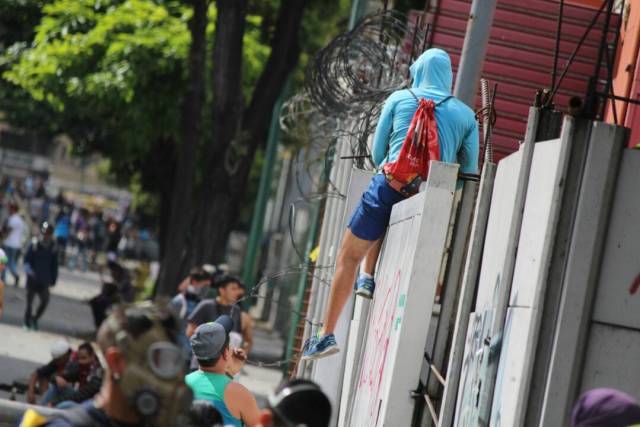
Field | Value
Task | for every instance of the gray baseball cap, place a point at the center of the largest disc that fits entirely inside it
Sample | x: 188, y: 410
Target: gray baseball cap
x: 208, y: 340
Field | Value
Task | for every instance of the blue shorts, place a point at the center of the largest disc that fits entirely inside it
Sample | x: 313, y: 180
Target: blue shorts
x: 371, y: 218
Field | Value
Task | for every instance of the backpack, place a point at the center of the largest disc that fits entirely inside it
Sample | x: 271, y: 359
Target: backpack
x: 419, y: 147
x: 187, y: 305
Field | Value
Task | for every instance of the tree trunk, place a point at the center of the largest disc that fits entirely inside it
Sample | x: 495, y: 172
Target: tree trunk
x: 175, y: 262
x: 214, y: 214
x: 237, y: 133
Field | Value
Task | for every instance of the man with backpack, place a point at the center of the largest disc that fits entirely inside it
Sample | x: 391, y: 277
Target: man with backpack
x: 185, y: 302
x: 416, y: 125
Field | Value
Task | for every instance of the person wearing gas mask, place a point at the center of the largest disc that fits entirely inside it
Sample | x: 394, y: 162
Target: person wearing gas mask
x: 218, y: 363
x: 297, y: 403
x: 41, y: 266
x: 144, y: 375
x: 185, y: 302
x: 188, y: 297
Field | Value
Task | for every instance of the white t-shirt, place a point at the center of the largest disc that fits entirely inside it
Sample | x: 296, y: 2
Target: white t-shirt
x: 16, y: 225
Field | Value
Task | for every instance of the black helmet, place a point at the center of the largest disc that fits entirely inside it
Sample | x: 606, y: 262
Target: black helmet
x: 46, y: 228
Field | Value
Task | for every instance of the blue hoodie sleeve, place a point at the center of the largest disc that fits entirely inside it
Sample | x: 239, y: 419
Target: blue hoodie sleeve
x: 469, y: 151
x: 383, y: 133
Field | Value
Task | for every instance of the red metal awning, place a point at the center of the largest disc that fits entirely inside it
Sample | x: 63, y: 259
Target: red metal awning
x: 520, y: 55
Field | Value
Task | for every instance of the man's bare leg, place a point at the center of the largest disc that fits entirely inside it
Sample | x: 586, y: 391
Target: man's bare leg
x: 371, y: 259
x: 352, y: 251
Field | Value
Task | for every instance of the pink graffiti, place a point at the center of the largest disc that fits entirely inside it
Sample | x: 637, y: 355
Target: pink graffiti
x: 635, y: 285
x: 377, y: 344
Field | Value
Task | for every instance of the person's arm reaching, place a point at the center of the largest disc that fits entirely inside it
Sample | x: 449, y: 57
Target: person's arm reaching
x: 242, y: 404
x: 247, y: 331
x: 191, y: 328
x: 382, y: 134
x: 469, y: 151
x: 184, y: 284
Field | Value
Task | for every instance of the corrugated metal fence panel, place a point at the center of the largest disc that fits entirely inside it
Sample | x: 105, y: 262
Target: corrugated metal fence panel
x: 520, y: 55
x: 633, y: 116
x: 627, y: 56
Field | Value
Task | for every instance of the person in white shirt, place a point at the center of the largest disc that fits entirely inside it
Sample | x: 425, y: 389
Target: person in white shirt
x: 13, y: 242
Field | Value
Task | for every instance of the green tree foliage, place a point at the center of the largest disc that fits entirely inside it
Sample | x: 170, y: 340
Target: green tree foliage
x: 113, y: 73
x: 115, y: 76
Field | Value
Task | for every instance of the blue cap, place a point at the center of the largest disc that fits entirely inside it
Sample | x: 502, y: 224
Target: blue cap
x: 208, y: 340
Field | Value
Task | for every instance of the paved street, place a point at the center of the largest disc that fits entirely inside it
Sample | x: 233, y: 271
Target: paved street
x: 69, y: 316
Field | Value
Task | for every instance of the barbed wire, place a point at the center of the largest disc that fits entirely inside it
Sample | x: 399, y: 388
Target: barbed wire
x: 360, y: 67
x: 351, y: 78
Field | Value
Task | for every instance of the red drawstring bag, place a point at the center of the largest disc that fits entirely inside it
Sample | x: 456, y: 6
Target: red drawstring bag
x: 420, y: 146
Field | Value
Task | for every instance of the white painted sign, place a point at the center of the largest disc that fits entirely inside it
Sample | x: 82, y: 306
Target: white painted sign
x: 535, y: 247
x: 618, y: 298
x: 399, y: 315
x: 494, y: 285
x: 332, y: 384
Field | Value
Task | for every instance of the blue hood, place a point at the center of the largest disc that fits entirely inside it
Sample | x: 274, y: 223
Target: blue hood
x: 432, y: 71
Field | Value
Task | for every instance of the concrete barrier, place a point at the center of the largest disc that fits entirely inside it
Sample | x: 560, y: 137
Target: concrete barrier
x: 11, y: 411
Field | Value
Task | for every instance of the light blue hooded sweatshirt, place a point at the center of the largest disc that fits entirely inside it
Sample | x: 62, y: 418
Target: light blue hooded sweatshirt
x: 457, y: 126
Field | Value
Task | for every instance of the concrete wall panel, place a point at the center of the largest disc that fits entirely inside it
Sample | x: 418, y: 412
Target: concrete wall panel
x: 618, y: 297
x: 613, y: 358
x: 397, y: 325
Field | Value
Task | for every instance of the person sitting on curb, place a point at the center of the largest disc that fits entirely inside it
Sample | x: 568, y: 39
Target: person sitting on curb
x: 457, y: 133
x: 42, y: 378
x: 297, y: 403
x: 217, y: 366
x: 81, y: 380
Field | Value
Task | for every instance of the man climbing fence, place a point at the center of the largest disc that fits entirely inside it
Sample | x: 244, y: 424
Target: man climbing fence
x: 416, y: 125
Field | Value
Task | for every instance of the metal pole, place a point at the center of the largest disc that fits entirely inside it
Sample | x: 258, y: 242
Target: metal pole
x: 257, y: 222
x: 302, y: 284
x: 358, y: 10
x: 474, y: 50
x: 556, y: 52
x: 467, y: 294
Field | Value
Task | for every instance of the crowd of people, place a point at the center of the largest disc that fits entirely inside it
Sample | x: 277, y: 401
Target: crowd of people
x: 136, y: 375
x: 40, y: 234
x: 84, y: 231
